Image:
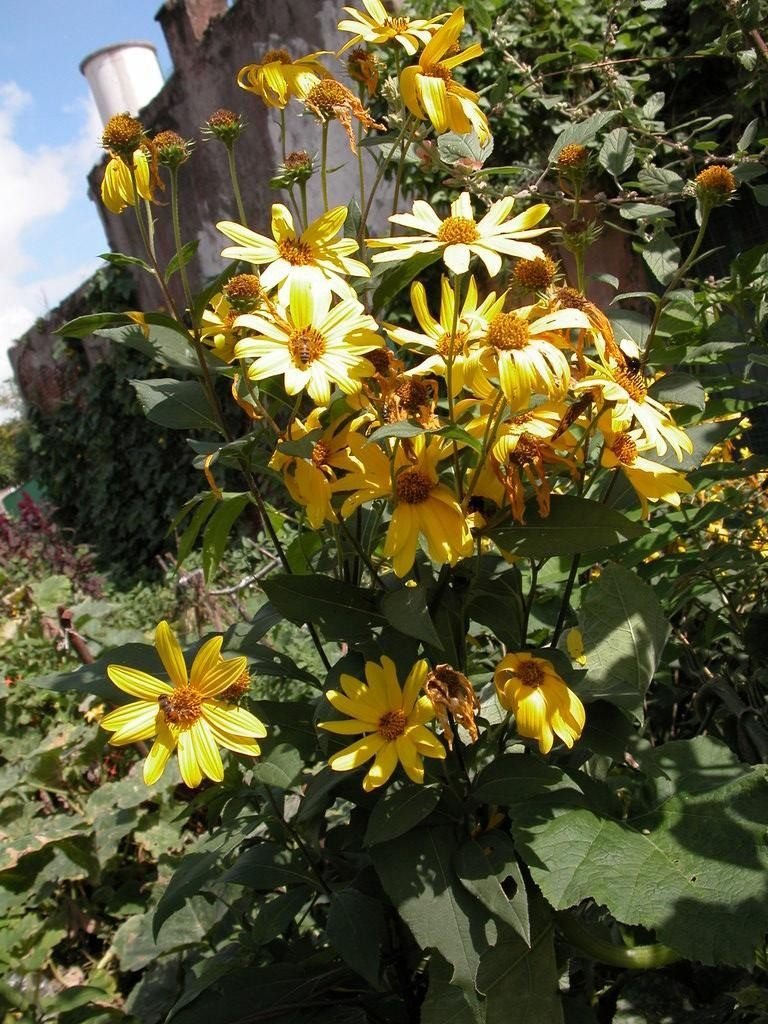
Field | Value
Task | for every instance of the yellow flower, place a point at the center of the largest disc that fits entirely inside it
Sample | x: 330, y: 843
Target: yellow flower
x: 391, y: 720
x: 650, y: 480
x: 185, y: 713
x: 430, y: 92
x: 437, y: 333
x: 423, y: 506
x: 117, y: 190
x: 312, y: 256
x: 377, y: 26
x: 279, y: 76
x: 459, y: 237
x: 622, y: 383
x: 309, y: 480
x: 310, y: 343
x: 523, y: 351
x: 542, y: 704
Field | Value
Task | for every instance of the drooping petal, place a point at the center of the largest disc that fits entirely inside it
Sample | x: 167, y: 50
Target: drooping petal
x: 188, y: 765
x: 142, y: 725
x: 382, y: 768
x: 233, y: 719
x: 356, y: 753
x: 410, y: 760
x: 161, y: 750
x: 282, y: 223
x: 206, y: 752
x: 413, y: 684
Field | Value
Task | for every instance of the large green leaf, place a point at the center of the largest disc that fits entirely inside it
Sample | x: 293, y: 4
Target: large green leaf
x: 406, y: 610
x: 394, y: 280
x: 482, y: 865
x: 693, y: 866
x: 168, y: 342
x: 624, y: 630
x: 417, y: 873
x: 617, y: 152
x: 444, y: 1003
x: 573, y: 525
x: 179, y: 404
x: 581, y: 131
x: 218, y: 528
x: 520, y: 984
x: 399, y: 810
x: 342, y: 611
x: 357, y: 929
x: 266, y: 867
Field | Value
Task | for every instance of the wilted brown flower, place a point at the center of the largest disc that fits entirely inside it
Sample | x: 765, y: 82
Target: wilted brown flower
x: 330, y: 99
x: 453, y: 696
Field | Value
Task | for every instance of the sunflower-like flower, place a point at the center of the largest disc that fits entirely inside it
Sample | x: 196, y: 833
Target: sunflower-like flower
x: 278, y: 76
x: 186, y: 714
x: 519, y: 455
x: 117, y: 189
x: 391, y: 719
x: 524, y: 351
x: 310, y: 343
x: 423, y: 507
x: 375, y: 25
x: 650, y: 480
x: 620, y: 382
x: 430, y: 92
x: 309, y: 480
x: 459, y: 237
x: 437, y: 333
x: 312, y: 256
x: 543, y: 706
x: 329, y: 99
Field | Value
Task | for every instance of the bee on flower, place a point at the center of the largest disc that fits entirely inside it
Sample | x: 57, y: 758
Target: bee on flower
x: 187, y: 714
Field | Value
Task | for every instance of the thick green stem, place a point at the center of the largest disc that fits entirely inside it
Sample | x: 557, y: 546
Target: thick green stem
x: 641, y: 958
x: 177, y: 234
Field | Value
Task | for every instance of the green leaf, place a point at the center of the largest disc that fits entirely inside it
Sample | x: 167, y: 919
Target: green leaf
x: 496, y: 602
x: 218, y: 528
x: 342, y: 611
x: 51, y: 592
x: 704, y: 436
x: 192, y: 874
x: 93, y: 678
x: 659, y: 181
x: 82, y: 326
x: 662, y: 256
x: 281, y: 768
x: 400, y: 810
x: 393, y: 281
x: 617, y: 153
x: 168, y: 343
x: 643, y: 211
x: 520, y: 984
x: 573, y: 525
x: 679, y: 389
x: 179, y: 404
x: 277, y: 913
x: 582, y: 132
x: 135, y: 947
x: 418, y: 876
x: 185, y: 254
x: 267, y: 867
x: 454, y: 148
x: 406, y: 610
x: 446, y: 1004
x: 403, y: 428
x: 624, y: 630
x: 203, y: 974
x: 694, y: 869
x: 357, y: 929
x: 482, y: 865
x: 119, y: 259
x: 206, y: 505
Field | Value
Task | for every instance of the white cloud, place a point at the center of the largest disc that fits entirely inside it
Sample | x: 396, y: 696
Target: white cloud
x: 37, y: 186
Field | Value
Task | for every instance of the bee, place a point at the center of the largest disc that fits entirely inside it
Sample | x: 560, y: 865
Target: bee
x: 166, y: 706
x: 632, y: 364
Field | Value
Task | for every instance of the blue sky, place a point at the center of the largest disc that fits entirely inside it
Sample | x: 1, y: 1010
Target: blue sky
x: 49, y: 140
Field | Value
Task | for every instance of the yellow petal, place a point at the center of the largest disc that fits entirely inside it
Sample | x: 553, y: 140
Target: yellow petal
x: 157, y: 759
x: 141, y: 726
x: 121, y: 717
x: 137, y: 683
x: 206, y: 659
x: 413, y: 684
x: 443, y: 39
x: 206, y: 751
x: 233, y: 719
x: 382, y: 768
x: 170, y: 654
x: 188, y: 766
x: 410, y: 760
x: 282, y: 223
x: 433, y: 97
x: 456, y: 257
x: 356, y: 753
x: 222, y: 676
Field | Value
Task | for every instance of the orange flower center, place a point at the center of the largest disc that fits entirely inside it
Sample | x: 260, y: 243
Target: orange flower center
x: 305, y: 346
x: 717, y: 179
x: 443, y: 346
x: 625, y: 449
x: 392, y: 724
x: 396, y: 24
x: 235, y: 691
x: 320, y: 454
x: 182, y: 707
x: 277, y: 57
x: 455, y: 230
x: 632, y: 381
x: 438, y: 71
x: 535, y: 274
x: 413, y: 487
x: 508, y: 331
x: 295, y: 252
x: 413, y: 394
x: 530, y: 673
x: 328, y: 94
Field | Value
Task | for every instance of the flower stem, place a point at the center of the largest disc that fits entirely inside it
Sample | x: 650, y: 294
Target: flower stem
x: 644, y: 958
x: 177, y: 234
x: 236, y: 185
x: 324, y: 166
